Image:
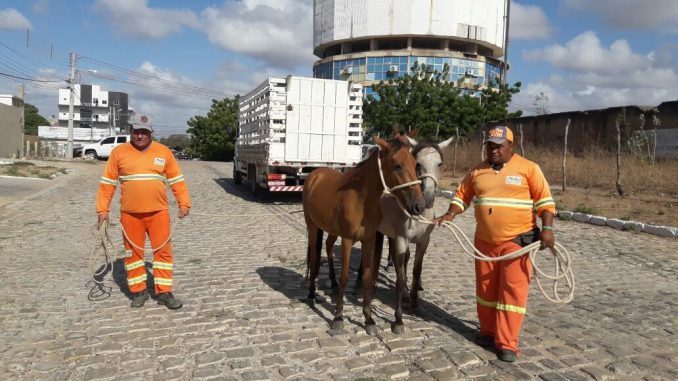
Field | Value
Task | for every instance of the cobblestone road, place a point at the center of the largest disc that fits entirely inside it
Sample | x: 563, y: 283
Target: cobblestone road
x: 239, y: 269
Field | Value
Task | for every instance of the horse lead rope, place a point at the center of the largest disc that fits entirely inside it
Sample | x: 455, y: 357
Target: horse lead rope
x: 563, y: 262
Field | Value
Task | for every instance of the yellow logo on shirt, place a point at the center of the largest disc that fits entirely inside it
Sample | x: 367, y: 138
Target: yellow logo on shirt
x: 159, y: 161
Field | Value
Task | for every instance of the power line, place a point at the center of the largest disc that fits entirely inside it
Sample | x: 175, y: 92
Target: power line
x: 28, y: 79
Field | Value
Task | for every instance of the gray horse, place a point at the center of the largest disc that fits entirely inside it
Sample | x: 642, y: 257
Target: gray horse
x: 403, y: 230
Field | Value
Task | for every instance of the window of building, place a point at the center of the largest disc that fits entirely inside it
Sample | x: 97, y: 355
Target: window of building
x: 103, y: 102
x: 116, y: 102
x: 392, y: 44
x: 360, y: 46
x: 95, y: 101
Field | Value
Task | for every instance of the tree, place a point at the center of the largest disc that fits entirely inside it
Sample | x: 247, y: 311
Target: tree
x: 542, y: 103
x: 427, y: 100
x: 178, y: 142
x: 32, y: 120
x: 213, y: 136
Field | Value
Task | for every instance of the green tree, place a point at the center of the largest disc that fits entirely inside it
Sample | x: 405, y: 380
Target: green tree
x: 425, y: 99
x: 32, y: 120
x: 178, y: 142
x: 213, y: 136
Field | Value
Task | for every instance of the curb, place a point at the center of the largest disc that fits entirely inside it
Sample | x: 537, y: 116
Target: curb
x: 634, y: 226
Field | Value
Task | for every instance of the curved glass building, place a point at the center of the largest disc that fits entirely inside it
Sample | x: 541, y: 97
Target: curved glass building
x: 369, y: 41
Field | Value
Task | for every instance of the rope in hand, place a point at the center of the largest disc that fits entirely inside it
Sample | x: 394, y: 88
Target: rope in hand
x: 102, y: 241
x: 563, y: 262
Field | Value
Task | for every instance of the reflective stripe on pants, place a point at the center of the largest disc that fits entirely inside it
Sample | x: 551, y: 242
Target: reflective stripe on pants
x: 501, y: 293
x: 157, y: 226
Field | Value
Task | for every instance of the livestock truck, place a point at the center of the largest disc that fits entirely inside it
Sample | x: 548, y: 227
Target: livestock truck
x: 290, y: 126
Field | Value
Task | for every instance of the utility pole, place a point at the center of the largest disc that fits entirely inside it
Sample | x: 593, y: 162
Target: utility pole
x: 71, y: 82
x: 114, y: 127
x: 504, y: 73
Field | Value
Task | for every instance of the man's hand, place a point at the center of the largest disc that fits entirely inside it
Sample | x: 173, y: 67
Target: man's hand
x: 548, y: 239
x: 445, y: 217
x: 102, y: 217
x: 183, y: 211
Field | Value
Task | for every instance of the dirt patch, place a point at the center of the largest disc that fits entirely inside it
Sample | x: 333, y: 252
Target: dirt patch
x: 28, y: 169
x: 655, y: 209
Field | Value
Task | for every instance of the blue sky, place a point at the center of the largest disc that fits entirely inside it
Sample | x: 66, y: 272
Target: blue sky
x: 580, y: 54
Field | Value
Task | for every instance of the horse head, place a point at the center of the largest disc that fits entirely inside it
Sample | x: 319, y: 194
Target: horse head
x: 429, y: 158
x: 399, y: 167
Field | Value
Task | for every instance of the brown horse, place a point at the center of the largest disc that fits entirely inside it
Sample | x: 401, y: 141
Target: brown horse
x: 347, y: 205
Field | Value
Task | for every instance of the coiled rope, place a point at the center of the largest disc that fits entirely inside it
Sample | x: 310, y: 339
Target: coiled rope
x: 563, y: 262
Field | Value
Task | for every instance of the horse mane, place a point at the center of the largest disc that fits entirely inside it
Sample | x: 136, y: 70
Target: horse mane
x: 426, y: 144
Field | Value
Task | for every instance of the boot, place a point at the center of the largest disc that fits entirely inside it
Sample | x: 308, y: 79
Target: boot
x: 139, y: 298
x: 169, y: 301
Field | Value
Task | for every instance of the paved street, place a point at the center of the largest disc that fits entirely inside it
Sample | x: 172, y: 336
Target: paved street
x: 240, y: 265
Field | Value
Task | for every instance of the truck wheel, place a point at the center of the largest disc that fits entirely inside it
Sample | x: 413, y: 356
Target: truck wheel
x: 252, y: 176
x: 91, y: 155
x: 237, y: 176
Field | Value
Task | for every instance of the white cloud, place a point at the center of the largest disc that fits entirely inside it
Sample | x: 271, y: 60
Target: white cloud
x: 585, y: 53
x: 631, y: 13
x: 279, y: 32
x: 528, y: 22
x: 136, y: 19
x: 10, y: 18
x: 590, y: 76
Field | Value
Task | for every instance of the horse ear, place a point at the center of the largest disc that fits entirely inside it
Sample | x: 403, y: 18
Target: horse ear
x: 444, y: 144
x: 381, y: 142
x: 412, y: 141
x: 413, y: 133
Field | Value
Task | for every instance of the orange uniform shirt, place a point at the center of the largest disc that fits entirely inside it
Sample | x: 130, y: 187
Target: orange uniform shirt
x: 505, y: 201
x: 143, y: 176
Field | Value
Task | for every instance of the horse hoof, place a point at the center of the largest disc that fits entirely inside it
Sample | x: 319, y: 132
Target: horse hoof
x: 337, y: 324
x: 397, y: 329
x: 371, y: 329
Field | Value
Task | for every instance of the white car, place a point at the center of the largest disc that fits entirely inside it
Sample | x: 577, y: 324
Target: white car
x: 102, y: 149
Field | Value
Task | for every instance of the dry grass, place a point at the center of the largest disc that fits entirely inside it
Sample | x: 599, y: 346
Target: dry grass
x: 651, y: 191
x: 28, y: 169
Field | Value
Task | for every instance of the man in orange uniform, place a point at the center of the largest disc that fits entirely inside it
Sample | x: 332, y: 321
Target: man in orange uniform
x: 143, y: 167
x: 506, y: 190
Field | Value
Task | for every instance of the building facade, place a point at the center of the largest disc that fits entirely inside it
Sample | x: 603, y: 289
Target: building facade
x: 371, y: 41
x: 11, y: 126
x: 95, y: 108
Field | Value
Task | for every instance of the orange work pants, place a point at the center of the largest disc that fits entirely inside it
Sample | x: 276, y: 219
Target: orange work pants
x: 501, y: 293
x: 157, y: 226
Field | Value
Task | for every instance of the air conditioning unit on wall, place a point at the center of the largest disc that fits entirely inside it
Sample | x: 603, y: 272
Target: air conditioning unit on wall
x: 347, y: 70
x: 393, y: 68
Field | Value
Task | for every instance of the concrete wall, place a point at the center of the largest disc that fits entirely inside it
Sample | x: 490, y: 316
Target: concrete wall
x: 11, y: 129
x: 597, y: 127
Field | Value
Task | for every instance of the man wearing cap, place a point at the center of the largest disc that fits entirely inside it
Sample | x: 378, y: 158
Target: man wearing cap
x: 143, y: 167
x: 508, y: 192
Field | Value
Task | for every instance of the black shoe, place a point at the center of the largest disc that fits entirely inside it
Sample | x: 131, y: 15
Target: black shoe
x: 485, y: 341
x: 139, y: 299
x: 169, y: 300
x: 507, y: 355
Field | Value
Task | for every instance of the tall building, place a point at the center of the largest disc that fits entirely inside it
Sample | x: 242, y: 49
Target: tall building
x: 95, y: 108
x: 370, y: 41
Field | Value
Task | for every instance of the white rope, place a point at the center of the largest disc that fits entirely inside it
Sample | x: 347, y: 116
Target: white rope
x: 563, y: 262
x: 103, y: 241
x: 152, y: 249
x: 389, y: 191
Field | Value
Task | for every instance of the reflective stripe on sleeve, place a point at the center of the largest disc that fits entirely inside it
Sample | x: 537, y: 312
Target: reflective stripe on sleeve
x: 175, y: 180
x: 544, y: 202
x: 507, y: 202
x: 458, y: 202
x: 106, y: 180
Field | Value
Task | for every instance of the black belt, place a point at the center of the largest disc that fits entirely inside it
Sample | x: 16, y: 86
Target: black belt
x: 527, y: 238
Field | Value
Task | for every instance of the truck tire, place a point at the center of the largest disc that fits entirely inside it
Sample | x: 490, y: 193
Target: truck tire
x: 91, y: 155
x: 237, y: 176
x: 252, y: 176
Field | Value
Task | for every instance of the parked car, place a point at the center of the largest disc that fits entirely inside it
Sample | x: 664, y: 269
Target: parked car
x: 102, y: 149
x: 181, y: 155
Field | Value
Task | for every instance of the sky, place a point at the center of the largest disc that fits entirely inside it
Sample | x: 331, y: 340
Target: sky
x: 572, y: 54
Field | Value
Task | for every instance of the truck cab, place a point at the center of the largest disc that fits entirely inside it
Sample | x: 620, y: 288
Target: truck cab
x: 102, y: 149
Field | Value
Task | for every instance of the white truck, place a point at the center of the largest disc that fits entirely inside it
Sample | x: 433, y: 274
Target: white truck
x: 290, y: 126
x: 102, y: 149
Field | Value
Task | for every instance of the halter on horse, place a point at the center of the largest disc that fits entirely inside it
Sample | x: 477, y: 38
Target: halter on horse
x: 347, y: 205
